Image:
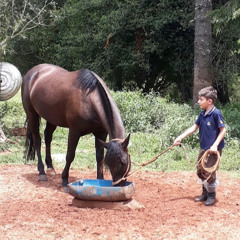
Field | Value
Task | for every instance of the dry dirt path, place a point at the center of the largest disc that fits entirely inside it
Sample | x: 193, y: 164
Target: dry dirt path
x: 31, y: 210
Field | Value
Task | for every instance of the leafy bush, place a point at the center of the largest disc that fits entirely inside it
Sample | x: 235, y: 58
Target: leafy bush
x: 11, y: 115
x: 231, y: 113
x: 151, y: 113
x: 153, y: 122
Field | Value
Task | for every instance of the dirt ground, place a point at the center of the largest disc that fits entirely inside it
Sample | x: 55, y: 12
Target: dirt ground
x: 30, y: 209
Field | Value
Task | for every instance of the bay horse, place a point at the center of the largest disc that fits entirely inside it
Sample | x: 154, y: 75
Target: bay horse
x: 80, y: 101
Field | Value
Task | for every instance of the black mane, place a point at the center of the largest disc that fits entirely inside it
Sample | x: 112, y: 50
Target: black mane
x: 88, y: 82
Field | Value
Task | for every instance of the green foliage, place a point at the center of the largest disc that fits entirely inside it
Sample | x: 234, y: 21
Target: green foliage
x: 231, y: 155
x: 226, y: 34
x: 231, y: 113
x: 140, y: 112
x: 226, y: 15
x: 12, y: 114
x: 18, y: 17
x: 144, y: 44
x: 151, y: 113
x: 145, y: 146
x: 153, y: 122
x: 234, y: 88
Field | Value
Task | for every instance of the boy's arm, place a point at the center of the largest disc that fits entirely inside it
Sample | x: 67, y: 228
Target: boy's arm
x: 220, y: 137
x: 188, y: 132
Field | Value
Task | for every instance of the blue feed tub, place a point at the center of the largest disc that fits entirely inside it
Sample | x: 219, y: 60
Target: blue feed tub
x: 100, y: 190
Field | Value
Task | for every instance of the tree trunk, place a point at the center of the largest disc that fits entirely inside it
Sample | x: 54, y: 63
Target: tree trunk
x: 202, y: 47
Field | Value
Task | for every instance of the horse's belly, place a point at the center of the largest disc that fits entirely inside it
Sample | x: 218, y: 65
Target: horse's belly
x: 67, y: 116
x: 52, y: 115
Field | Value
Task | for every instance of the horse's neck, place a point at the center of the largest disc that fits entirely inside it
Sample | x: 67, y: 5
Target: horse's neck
x: 118, y: 131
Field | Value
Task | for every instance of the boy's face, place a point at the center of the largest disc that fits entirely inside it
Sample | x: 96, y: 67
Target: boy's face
x: 203, y: 102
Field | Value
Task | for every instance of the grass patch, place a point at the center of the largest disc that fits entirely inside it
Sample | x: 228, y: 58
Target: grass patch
x: 153, y: 123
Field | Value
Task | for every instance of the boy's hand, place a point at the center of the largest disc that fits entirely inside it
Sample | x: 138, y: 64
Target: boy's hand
x: 177, y: 141
x: 213, y: 149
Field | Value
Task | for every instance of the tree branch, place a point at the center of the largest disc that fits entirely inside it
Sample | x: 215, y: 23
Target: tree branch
x: 16, y: 26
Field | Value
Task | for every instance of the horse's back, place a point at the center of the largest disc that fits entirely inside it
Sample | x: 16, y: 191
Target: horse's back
x: 51, y: 91
x: 78, y: 100
x: 43, y: 74
x: 46, y: 81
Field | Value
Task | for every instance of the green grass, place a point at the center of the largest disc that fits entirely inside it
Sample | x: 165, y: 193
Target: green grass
x: 145, y: 141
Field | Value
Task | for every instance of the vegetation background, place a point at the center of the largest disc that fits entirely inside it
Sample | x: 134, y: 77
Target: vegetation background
x: 144, y: 50
x: 132, y: 44
x: 153, y: 123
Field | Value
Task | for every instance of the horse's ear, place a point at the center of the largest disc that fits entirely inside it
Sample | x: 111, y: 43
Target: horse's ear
x: 102, y: 143
x: 126, y: 142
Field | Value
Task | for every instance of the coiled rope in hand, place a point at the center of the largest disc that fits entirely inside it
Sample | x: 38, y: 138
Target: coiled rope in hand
x: 208, y: 171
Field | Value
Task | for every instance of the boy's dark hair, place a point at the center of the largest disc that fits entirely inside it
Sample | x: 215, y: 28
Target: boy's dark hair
x: 209, y: 93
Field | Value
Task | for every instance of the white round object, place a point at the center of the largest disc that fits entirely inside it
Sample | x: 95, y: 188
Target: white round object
x: 10, y: 80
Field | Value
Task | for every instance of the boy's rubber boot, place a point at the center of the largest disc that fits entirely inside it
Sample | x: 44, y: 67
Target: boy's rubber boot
x: 211, y: 198
x: 202, y: 197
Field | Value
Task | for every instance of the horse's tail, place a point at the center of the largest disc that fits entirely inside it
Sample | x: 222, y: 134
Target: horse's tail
x: 29, y: 153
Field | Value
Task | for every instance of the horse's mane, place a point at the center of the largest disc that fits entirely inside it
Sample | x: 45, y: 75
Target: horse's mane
x: 88, y: 82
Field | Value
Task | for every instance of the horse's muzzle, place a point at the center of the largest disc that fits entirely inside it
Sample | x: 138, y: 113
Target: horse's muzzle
x: 121, y: 184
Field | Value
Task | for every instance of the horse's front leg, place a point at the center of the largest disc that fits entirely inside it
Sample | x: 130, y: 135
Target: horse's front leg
x: 48, y: 133
x: 100, y: 154
x: 73, y: 138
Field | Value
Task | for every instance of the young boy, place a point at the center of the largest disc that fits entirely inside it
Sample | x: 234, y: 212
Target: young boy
x: 211, y: 133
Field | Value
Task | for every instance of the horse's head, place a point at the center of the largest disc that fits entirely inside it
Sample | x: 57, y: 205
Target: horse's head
x: 117, y: 159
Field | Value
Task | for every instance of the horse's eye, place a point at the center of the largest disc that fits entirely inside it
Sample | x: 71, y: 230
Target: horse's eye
x: 124, y: 161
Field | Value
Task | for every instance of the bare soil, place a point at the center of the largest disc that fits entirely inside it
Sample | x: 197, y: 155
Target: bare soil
x: 31, y: 210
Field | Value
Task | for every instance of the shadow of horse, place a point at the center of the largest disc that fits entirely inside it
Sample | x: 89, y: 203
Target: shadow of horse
x: 54, y: 183
x: 181, y: 198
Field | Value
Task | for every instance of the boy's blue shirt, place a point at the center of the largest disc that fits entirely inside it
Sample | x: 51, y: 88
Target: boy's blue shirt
x: 209, y: 128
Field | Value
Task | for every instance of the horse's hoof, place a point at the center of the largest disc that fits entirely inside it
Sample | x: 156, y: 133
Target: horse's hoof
x: 66, y: 189
x: 42, y: 177
x: 51, y: 171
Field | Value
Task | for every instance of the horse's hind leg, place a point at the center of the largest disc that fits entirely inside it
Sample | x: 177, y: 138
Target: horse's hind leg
x: 34, y: 122
x: 48, y: 133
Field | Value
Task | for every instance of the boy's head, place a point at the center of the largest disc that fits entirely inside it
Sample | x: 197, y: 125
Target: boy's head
x: 208, y: 93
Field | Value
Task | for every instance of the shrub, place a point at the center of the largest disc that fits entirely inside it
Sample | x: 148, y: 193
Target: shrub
x: 154, y: 124
x: 152, y: 113
x: 12, y: 115
x: 231, y: 113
